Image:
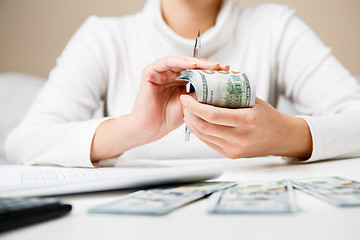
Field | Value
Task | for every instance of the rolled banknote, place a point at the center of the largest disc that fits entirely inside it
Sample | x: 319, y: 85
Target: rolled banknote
x: 227, y: 89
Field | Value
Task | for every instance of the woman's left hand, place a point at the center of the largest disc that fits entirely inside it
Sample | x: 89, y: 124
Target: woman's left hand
x: 248, y: 132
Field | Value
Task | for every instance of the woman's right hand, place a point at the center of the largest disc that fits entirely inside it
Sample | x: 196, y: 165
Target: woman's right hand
x: 156, y: 112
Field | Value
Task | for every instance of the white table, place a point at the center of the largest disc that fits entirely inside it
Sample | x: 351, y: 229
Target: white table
x: 317, y: 220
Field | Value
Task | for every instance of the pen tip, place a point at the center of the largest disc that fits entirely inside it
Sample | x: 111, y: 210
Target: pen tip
x: 198, y: 33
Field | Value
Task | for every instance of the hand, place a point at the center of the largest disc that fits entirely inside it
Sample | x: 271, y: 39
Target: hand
x: 248, y: 132
x: 158, y: 110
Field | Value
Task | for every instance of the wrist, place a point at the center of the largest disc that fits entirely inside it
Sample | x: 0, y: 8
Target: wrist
x: 115, y: 136
x: 130, y: 132
x: 298, y: 141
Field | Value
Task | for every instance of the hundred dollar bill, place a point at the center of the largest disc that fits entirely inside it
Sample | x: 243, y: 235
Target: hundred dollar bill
x: 255, y: 197
x: 227, y: 89
x: 157, y: 201
x: 338, y: 191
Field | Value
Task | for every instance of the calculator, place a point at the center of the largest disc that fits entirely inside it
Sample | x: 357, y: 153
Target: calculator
x: 18, y: 212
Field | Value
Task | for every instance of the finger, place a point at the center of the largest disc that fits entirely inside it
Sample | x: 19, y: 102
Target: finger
x: 206, y: 65
x: 212, y: 114
x: 163, y: 78
x: 212, y: 144
x: 169, y: 68
x: 175, y: 64
x: 178, y: 64
x: 213, y: 139
x: 204, y: 127
x: 167, y: 77
x: 214, y: 65
x: 224, y: 67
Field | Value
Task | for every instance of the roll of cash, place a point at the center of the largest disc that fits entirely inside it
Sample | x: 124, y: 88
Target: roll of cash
x: 227, y: 89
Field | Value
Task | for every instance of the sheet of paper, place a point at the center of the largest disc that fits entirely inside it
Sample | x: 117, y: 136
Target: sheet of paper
x: 23, y: 181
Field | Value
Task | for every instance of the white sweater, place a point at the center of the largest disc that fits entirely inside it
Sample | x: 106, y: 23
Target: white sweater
x: 105, y: 58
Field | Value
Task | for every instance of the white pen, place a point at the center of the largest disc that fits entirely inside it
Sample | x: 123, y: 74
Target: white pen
x: 196, y: 54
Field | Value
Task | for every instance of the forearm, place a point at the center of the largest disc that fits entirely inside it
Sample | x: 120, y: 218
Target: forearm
x: 115, y: 136
x: 297, y: 140
x: 39, y: 141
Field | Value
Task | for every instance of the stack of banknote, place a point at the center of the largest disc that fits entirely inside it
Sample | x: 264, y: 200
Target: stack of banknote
x: 338, y: 191
x: 236, y: 198
x: 255, y: 197
x: 161, y: 200
x: 227, y: 89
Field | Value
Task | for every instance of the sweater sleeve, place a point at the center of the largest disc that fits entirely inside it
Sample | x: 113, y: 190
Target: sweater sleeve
x: 59, y: 128
x: 321, y: 89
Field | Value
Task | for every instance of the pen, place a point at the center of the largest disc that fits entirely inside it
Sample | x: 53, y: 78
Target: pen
x: 196, y: 54
x: 197, y: 46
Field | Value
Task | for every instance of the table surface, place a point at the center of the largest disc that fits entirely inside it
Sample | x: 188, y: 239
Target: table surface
x: 316, y: 220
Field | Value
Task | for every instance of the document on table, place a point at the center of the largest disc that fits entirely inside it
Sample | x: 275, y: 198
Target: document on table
x: 26, y: 181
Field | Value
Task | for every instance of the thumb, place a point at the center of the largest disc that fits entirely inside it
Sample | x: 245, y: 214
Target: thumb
x: 184, y: 99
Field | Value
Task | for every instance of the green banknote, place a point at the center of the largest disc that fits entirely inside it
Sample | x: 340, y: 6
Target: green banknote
x: 227, y: 89
x: 158, y: 201
x: 338, y: 191
x: 255, y: 197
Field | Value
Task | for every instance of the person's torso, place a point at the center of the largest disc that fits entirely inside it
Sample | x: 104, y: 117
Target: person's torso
x: 249, y: 47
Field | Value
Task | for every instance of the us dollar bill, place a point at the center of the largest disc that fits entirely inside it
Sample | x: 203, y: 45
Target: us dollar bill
x: 227, y: 89
x: 160, y: 201
x: 338, y: 191
x: 255, y: 197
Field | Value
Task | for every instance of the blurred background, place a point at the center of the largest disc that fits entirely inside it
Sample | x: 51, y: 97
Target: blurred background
x: 34, y: 33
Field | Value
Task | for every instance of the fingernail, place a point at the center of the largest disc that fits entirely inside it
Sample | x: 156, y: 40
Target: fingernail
x: 217, y: 65
x: 183, y: 100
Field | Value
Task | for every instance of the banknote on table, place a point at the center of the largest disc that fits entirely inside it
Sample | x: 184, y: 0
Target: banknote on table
x: 229, y: 89
x: 338, y: 191
x: 255, y: 197
x: 158, y: 201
